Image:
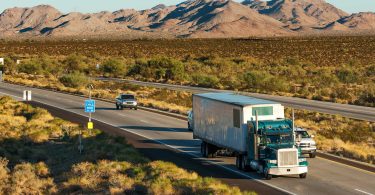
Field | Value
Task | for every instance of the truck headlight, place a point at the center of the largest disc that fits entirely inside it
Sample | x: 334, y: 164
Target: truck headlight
x: 301, y: 159
x: 272, y: 161
x: 135, y: 103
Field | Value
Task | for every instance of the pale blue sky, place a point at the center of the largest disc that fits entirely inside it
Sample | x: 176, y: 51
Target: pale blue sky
x: 87, y: 6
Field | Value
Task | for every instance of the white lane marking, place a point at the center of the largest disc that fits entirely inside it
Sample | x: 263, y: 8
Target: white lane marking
x: 143, y: 121
x: 124, y: 115
x: 368, y: 193
x: 17, y: 97
x: 175, y: 148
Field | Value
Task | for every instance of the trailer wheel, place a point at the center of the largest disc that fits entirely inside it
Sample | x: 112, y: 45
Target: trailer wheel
x: 239, y: 162
x: 210, y: 150
x: 312, y: 155
x: 203, y: 149
x: 303, y: 175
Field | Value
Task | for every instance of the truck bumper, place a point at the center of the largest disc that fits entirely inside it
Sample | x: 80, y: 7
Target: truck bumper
x: 288, y: 170
x: 308, y: 150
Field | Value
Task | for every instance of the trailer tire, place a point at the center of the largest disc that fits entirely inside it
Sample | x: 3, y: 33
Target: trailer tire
x: 303, y: 175
x: 239, y: 162
x: 203, y: 149
x: 211, y: 150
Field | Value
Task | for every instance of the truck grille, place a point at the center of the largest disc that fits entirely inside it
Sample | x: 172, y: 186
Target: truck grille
x: 287, y: 157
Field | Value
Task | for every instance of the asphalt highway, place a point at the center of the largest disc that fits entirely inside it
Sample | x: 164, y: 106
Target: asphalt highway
x: 151, y: 131
x: 350, y: 111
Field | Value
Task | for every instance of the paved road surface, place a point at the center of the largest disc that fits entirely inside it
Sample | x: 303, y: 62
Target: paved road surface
x: 350, y: 111
x: 325, y: 177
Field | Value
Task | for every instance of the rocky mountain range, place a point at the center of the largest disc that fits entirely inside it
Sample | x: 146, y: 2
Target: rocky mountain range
x: 192, y: 18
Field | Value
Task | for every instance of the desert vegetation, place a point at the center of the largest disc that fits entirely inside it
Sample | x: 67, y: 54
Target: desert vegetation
x: 39, y: 156
x: 336, y: 69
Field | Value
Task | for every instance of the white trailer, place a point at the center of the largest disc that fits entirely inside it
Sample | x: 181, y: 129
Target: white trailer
x: 221, y: 118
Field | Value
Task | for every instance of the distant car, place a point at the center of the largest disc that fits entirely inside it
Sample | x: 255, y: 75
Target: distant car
x: 126, y: 101
x: 190, y: 120
x: 305, y: 142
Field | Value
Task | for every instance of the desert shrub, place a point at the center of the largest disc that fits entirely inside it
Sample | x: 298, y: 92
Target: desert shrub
x: 113, y: 67
x: 205, y: 80
x: 347, y: 75
x: 370, y: 70
x: 30, y: 67
x: 10, y: 66
x: 259, y: 80
x: 325, y: 78
x: 26, y: 178
x: 74, y: 62
x: 75, y: 79
x: 159, y: 68
x: 367, y: 96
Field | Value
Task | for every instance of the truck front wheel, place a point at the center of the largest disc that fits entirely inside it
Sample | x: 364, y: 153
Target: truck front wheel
x: 312, y: 155
x: 266, y: 174
x: 239, y: 162
x: 303, y: 175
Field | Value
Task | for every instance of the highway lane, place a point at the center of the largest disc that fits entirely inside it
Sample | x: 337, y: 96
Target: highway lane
x: 350, y: 111
x: 325, y: 177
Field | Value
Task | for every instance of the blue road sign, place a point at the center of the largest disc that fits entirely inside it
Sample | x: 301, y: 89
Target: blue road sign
x: 89, y: 106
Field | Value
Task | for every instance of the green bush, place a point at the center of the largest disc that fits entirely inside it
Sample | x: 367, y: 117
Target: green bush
x: 367, y: 96
x: 30, y: 67
x: 347, y: 75
x: 205, y: 80
x: 113, y: 67
x: 75, y: 62
x: 159, y: 68
x: 75, y: 79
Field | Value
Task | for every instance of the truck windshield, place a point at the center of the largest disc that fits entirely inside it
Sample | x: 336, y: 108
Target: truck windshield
x: 279, y: 139
x: 303, y: 134
x: 127, y: 97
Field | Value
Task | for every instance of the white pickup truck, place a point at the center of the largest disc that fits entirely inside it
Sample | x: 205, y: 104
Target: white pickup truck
x: 305, y: 142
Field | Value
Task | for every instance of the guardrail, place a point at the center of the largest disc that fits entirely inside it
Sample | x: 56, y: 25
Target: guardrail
x: 346, y: 110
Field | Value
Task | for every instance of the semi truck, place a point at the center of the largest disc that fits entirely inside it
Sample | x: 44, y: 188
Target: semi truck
x: 254, y: 130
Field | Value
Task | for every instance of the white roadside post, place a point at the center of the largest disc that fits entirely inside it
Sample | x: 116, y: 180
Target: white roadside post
x: 1, y: 70
x: 27, y: 97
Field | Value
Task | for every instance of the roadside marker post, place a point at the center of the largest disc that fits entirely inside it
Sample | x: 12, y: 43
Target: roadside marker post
x: 1, y: 76
x: 26, y: 95
x: 89, y: 108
